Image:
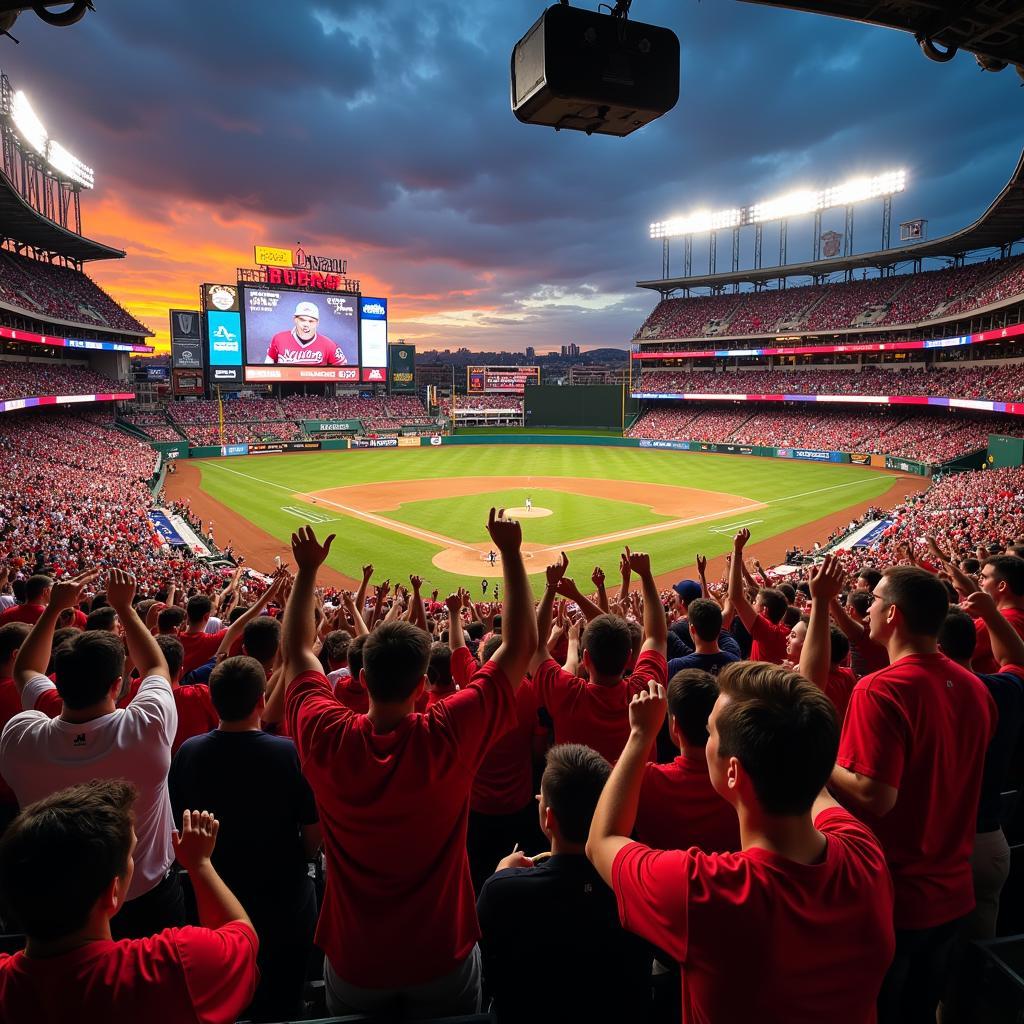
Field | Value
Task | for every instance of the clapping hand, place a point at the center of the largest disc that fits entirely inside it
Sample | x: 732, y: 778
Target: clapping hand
x: 308, y: 552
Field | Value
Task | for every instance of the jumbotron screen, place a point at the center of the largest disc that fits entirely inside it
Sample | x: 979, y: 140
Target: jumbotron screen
x: 508, y: 380
x: 298, y: 336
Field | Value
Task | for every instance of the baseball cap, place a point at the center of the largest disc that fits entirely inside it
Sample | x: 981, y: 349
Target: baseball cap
x: 307, y: 309
x: 688, y: 590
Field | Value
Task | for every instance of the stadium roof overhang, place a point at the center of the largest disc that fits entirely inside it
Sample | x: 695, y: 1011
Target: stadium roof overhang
x: 1000, y: 224
x: 993, y: 30
x: 21, y: 223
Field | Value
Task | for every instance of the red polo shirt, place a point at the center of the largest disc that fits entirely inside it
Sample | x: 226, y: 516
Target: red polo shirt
x: 814, y: 940
x: 769, y: 641
x: 399, y: 907
x: 679, y: 808
x: 922, y: 726
x: 23, y: 613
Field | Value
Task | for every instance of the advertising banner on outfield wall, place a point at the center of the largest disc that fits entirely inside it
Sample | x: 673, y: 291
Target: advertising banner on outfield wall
x: 234, y: 449
x: 860, y: 458
x: 374, y: 442
x: 266, y: 447
x: 679, y: 446
x: 906, y: 465
x: 402, y: 368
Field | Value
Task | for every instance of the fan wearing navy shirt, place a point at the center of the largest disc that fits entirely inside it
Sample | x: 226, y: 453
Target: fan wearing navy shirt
x: 705, y: 625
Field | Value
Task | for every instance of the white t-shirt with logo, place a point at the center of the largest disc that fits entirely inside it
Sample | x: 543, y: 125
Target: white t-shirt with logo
x: 41, y: 755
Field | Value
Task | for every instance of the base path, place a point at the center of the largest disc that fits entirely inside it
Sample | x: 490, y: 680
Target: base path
x: 686, y: 505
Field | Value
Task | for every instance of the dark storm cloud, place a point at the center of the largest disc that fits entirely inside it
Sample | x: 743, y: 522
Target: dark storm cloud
x: 385, y: 127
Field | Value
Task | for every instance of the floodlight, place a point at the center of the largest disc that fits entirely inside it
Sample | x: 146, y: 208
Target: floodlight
x: 697, y: 223
x: 28, y: 124
x: 791, y: 205
x: 69, y: 165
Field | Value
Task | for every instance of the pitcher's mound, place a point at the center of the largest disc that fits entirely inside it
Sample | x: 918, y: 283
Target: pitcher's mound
x: 524, y: 513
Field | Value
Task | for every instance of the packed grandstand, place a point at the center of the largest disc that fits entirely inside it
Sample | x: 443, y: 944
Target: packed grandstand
x: 85, y: 453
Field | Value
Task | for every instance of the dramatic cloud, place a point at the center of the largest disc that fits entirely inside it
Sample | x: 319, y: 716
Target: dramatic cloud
x: 382, y: 132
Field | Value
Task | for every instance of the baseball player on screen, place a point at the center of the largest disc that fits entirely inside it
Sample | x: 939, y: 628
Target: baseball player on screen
x: 303, y: 344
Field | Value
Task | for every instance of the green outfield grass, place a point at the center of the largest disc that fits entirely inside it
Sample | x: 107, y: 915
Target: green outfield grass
x: 259, y: 487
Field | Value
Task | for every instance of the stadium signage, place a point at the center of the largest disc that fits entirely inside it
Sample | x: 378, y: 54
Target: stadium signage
x: 330, y: 426
x: 269, y: 447
x: 811, y: 456
x: 48, y: 339
x: 679, y: 446
x: 304, y: 279
x: 234, y: 449
x: 268, y: 256
x: 374, y: 442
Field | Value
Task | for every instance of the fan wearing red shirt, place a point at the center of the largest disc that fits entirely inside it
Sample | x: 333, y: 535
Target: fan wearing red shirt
x: 764, y: 618
x: 65, y: 867
x: 12, y: 636
x: 679, y: 807
x: 595, y: 713
x: 910, y: 763
x: 37, y: 596
x: 398, y: 925
x: 196, y: 713
x: 866, y: 656
x: 199, y: 645
x: 805, y: 906
x: 1002, y: 578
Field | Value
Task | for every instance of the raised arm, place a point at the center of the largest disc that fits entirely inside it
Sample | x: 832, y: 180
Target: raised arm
x: 417, y: 614
x: 237, y: 628
x: 1007, y: 645
x: 360, y: 600
x: 193, y: 846
x: 298, y: 632
x: 456, y: 634
x: 655, y: 623
x: 740, y: 605
x: 572, y: 658
x: 518, y: 626
x: 597, y: 578
x: 624, y: 572
x: 553, y: 576
x: 855, y: 631
x: 567, y: 588
x: 825, y: 582
x: 143, y: 650
x: 615, y: 815
x: 34, y: 655
x: 352, y: 607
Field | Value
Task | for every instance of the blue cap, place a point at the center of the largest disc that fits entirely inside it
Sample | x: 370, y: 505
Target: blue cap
x: 688, y: 590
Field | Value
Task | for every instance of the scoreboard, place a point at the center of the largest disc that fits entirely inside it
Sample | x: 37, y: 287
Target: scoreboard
x: 508, y: 380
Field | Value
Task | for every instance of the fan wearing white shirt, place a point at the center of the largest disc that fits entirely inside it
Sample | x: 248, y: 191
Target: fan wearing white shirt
x: 93, y: 739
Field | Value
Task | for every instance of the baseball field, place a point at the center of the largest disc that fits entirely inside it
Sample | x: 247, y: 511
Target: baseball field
x: 424, y: 509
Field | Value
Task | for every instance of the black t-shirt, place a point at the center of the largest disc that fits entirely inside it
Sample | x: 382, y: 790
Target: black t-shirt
x: 554, y: 950
x: 253, y: 784
x: 1007, y: 689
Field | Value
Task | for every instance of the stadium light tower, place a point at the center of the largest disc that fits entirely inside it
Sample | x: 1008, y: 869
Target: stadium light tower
x: 797, y: 203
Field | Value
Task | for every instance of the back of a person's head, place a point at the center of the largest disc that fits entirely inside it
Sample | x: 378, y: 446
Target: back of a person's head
x: 608, y: 642
x: 573, y: 778
x: 920, y: 597
x: 490, y: 645
x: 792, y: 616
x: 957, y: 635
x: 788, y: 591
x: 705, y: 618
x: 692, y: 693
x: 1010, y: 569
x: 36, y: 588
x: 870, y: 577
x: 355, y: 654
x: 840, y: 645
x: 775, y: 603
x: 395, y: 659
x: 173, y: 652
x: 496, y: 624
x: 18, y: 588
x: 87, y: 665
x: 61, y: 853
x: 198, y: 608
x: 859, y: 601
x: 236, y: 613
x: 439, y: 665
x: 475, y: 630
x: 236, y: 686
x: 142, y: 608
x: 12, y: 636
x: 336, y: 645
x: 261, y: 638
x: 782, y: 729
x: 169, y: 620
x: 104, y: 618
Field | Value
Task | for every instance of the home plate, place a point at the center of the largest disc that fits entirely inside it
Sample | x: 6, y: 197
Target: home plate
x: 528, y: 513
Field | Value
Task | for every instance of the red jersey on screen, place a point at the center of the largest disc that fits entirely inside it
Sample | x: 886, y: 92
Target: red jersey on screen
x: 922, y: 726
x: 814, y: 940
x: 286, y: 347
x: 180, y: 974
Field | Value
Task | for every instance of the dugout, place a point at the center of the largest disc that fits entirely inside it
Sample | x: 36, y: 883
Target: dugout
x: 1005, y: 451
x: 588, y: 407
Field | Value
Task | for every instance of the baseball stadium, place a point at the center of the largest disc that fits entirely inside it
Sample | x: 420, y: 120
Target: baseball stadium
x: 301, y: 622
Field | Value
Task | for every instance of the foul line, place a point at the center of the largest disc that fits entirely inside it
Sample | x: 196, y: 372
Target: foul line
x: 449, y: 542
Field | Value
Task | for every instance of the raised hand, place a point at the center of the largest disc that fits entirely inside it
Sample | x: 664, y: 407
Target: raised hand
x: 740, y: 540
x: 647, y: 710
x: 453, y: 602
x: 624, y: 570
x: 307, y: 551
x: 194, y: 844
x: 566, y: 587
x: 506, y: 534
x: 556, y: 572
x: 639, y: 562
x: 417, y: 582
x: 702, y: 565
x: 597, y: 577
x: 826, y: 580
x: 979, y: 604
x: 68, y: 593
x: 367, y: 571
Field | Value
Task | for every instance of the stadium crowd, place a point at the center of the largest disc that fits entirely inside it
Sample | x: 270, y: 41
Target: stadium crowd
x: 875, y: 302
x: 49, y: 290
x: 482, y: 403
x: 34, y: 379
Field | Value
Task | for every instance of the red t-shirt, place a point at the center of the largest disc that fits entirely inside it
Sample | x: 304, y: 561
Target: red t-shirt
x: 984, y: 661
x: 196, y: 713
x: 761, y: 937
x: 351, y: 693
x: 399, y: 907
x: 679, y: 808
x: 199, y: 648
x: 769, y: 641
x: 838, y: 688
x: 504, y: 780
x: 922, y: 726
x: 597, y: 716
x: 868, y: 656
x: 463, y: 666
x: 181, y: 974
x: 433, y: 696
x: 23, y: 613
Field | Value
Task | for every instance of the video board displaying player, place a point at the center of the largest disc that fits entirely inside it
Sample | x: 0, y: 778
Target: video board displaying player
x: 300, y: 328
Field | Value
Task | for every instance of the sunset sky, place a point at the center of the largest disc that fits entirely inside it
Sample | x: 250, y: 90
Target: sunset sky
x: 381, y: 132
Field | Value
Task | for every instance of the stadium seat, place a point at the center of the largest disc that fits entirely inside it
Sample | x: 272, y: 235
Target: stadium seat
x: 995, y: 973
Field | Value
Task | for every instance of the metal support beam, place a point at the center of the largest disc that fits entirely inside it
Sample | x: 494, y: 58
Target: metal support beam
x: 664, y: 260
x: 687, y: 255
x: 817, y: 235
x: 713, y: 253
x: 886, y: 221
x: 758, y: 238
x: 783, y: 239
